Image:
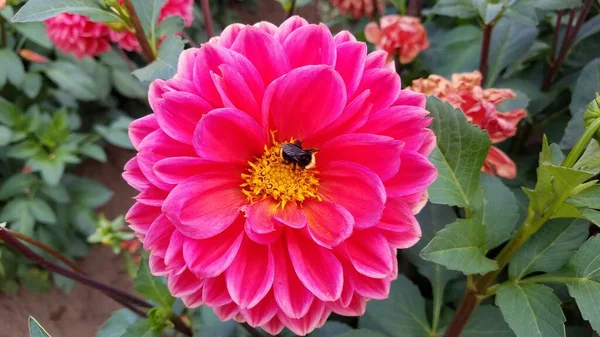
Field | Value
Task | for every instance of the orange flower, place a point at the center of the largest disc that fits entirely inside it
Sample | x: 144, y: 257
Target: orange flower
x: 356, y: 8
x: 479, y: 105
x: 404, y: 35
x: 2, y: 4
x: 32, y: 56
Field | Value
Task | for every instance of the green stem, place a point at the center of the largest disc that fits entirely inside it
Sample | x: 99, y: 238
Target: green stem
x: 438, y: 299
x: 402, y: 7
x: 545, y: 278
x: 139, y: 32
x: 581, y: 144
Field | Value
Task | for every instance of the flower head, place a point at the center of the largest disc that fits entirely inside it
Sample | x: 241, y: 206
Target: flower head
x: 232, y: 224
x: 398, y: 34
x: 356, y: 8
x: 76, y: 34
x: 479, y: 105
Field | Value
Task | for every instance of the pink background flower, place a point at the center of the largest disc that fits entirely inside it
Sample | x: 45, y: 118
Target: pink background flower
x: 356, y: 8
x: 75, y: 34
x: 232, y: 226
x: 479, y: 105
x: 398, y: 34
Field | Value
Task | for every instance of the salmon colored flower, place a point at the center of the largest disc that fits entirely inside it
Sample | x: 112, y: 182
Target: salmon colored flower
x: 32, y: 56
x: 127, y: 40
x: 76, y: 34
x: 356, y: 8
x: 398, y: 34
x: 2, y: 4
x: 234, y: 226
x: 479, y: 105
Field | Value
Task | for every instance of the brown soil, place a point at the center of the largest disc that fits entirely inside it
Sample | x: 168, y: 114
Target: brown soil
x: 81, y: 312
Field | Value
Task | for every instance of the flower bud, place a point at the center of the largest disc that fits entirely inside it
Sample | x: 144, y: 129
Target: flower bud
x: 32, y: 56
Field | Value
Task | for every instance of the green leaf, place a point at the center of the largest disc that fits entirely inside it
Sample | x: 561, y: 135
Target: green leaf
x: 148, y: 11
x: 331, y: 328
x: 12, y: 68
x: 35, y: 329
x: 522, y: 11
x: 566, y: 179
x: 171, y: 25
x: 487, y: 320
x: 498, y: 211
x: 5, y: 135
x: 457, y: 8
x: 549, y: 249
x: 16, y: 185
x: 488, y: 12
x: 401, y: 315
x: 116, y: 134
x: 142, y: 328
x: 592, y: 215
x: 359, y: 333
x: 557, y: 5
x: 586, y: 87
x: 40, y: 10
x: 207, y: 324
x: 165, y: 65
x: 117, y: 323
x: 461, y: 246
x: 94, y: 151
x: 41, y: 211
x: 454, y: 51
x: 589, y: 28
x: 32, y: 85
x: 10, y: 114
x: 590, y: 159
x: 510, y: 41
x: 459, y: 154
x: 89, y: 192
x: 152, y: 287
x: 73, y: 80
x: 51, y: 169
x: 34, y: 31
x: 588, y: 198
x: 128, y: 85
x: 531, y: 310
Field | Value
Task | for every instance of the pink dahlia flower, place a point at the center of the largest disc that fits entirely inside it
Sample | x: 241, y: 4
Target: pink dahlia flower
x: 398, y: 34
x: 127, y: 40
x: 464, y: 92
x: 356, y: 8
x: 234, y: 226
x: 76, y: 34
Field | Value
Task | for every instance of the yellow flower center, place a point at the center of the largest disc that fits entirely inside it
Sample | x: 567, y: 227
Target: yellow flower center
x: 271, y: 176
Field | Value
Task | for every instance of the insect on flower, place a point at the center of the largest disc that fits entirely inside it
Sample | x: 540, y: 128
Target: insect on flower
x: 293, y: 153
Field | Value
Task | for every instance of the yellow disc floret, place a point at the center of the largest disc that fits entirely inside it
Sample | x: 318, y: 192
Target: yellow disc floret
x: 271, y: 176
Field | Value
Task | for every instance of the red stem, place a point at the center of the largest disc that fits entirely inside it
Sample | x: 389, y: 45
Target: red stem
x: 462, y: 315
x: 485, y: 50
x: 210, y: 32
x: 140, y: 35
x: 555, y: 39
x: 414, y: 8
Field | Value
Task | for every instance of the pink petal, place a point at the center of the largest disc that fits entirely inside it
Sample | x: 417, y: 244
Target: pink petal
x: 381, y: 154
x: 250, y: 276
x: 230, y: 33
x: 229, y: 135
x: 227, y: 311
x: 159, y: 233
x: 174, y: 254
x: 274, y: 326
x: 288, y: 26
x: 235, y: 93
x: 140, y: 128
x: 152, y: 196
x: 210, y: 257
x: 177, y: 112
x: 205, y: 205
x: 261, y: 216
x: 328, y: 224
x: 356, y: 307
x: 292, y: 216
x: 291, y: 295
x: 397, y: 216
x: 262, y: 313
x: 408, y: 97
x: 356, y: 188
x: 184, y: 284
x: 141, y: 216
x: 343, y: 36
x: 352, y: 118
x: 377, y: 289
x: 157, y: 265
x: 264, y: 238
x: 350, y: 63
x: 295, y: 101
x: 268, y: 27
x: 193, y: 300
x: 384, y: 85
x: 376, y: 59
x: 177, y: 169
x: 369, y: 253
x: 214, y: 292
x: 428, y: 144
x: 266, y: 53
x: 306, y: 324
x: 133, y: 175
x: 415, y: 174
x: 209, y: 59
x: 317, y: 268
x: 405, y: 123
x: 310, y: 45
